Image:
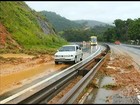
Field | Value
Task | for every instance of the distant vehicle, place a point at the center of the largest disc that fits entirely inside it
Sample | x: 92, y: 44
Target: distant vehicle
x: 117, y: 42
x: 69, y: 53
x: 84, y: 43
x: 93, y: 40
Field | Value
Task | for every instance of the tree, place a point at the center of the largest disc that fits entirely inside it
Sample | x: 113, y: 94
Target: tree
x: 109, y: 35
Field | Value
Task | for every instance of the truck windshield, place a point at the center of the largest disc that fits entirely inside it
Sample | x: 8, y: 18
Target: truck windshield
x: 93, y: 40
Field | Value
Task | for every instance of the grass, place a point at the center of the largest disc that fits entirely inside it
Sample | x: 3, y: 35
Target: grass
x: 110, y: 86
x: 22, y: 24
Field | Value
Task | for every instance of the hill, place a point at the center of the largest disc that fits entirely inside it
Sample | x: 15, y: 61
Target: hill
x: 25, y: 27
x: 60, y: 23
x: 91, y: 23
x: 4, y: 36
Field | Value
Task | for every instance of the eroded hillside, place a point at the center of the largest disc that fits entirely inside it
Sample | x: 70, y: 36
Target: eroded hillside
x: 5, y: 39
x: 28, y: 29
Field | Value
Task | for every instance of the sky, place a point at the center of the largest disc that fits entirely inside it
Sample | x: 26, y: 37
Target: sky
x: 104, y: 11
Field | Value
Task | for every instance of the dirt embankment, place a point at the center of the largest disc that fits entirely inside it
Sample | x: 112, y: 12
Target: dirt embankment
x: 126, y: 73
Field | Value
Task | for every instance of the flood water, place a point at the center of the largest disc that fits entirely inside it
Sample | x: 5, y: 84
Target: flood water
x: 16, y: 56
x: 103, y: 95
x: 16, y: 78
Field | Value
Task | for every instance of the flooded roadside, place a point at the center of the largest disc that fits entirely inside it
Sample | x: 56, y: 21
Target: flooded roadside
x: 16, y: 56
x: 16, y: 75
x: 16, y: 79
x: 104, y: 93
x: 17, y: 70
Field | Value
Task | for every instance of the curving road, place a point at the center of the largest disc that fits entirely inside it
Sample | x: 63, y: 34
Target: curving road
x: 133, y: 52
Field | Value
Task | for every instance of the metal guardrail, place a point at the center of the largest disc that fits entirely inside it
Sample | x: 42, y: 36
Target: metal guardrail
x: 27, y: 96
x: 73, y: 94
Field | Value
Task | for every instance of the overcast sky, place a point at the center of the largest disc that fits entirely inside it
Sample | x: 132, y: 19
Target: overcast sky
x: 104, y: 11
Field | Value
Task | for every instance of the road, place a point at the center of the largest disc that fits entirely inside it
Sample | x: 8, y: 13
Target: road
x: 119, y: 53
x: 123, y: 70
x: 87, y: 52
x: 134, y: 53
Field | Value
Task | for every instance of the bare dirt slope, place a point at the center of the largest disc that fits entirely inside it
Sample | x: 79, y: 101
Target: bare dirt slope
x: 6, y: 40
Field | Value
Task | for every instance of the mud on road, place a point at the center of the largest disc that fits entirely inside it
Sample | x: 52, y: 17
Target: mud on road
x: 126, y: 74
x: 17, y: 70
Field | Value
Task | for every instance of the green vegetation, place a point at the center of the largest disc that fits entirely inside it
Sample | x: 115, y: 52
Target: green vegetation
x: 124, y: 30
x: 26, y: 28
x: 110, y: 86
x: 22, y: 24
x: 78, y: 35
x: 100, y: 30
x: 78, y: 30
x: 90, y: 23
x: 60, y: 23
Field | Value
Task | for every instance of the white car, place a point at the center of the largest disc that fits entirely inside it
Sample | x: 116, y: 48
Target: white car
x: 69, y: 53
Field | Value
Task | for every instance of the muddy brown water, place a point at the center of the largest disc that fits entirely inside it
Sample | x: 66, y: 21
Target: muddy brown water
x: 14, y: 78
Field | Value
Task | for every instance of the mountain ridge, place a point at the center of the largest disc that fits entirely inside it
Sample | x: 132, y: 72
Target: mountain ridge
x: 61, y: 23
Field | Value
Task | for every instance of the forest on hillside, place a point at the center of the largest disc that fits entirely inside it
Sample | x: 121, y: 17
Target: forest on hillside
x: 126, y: 31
